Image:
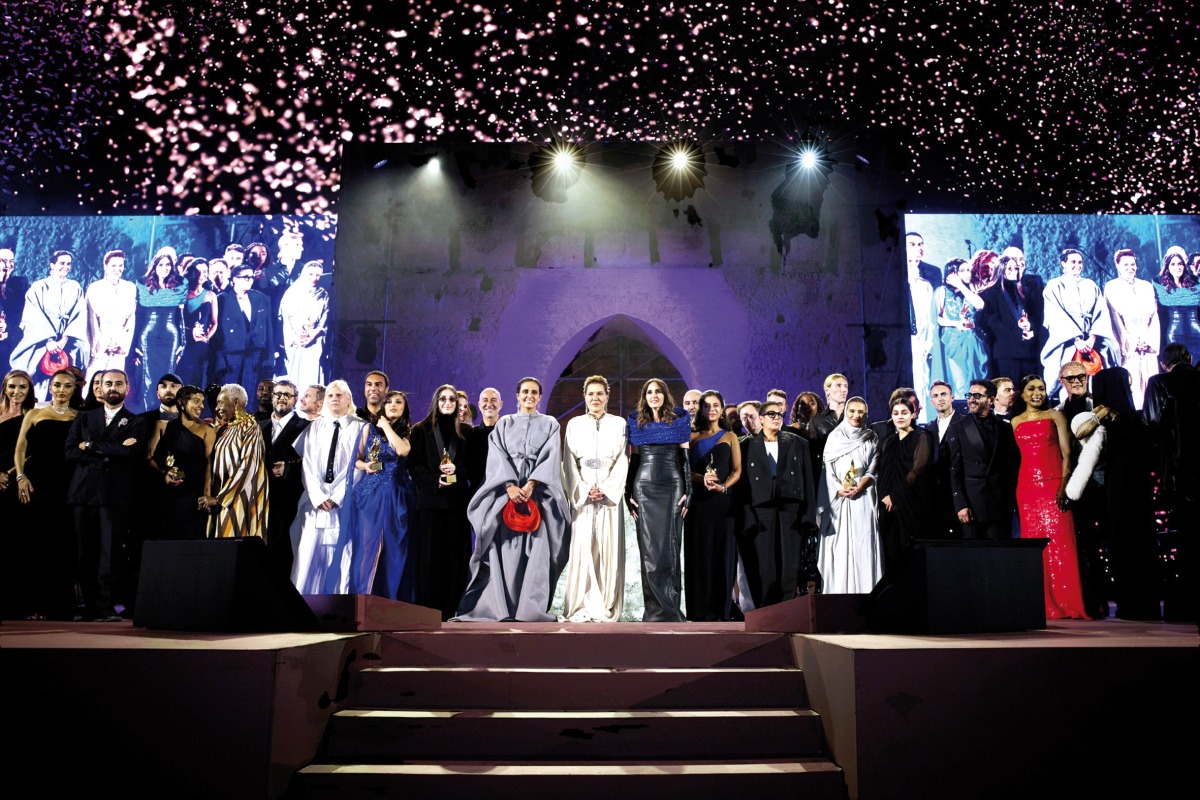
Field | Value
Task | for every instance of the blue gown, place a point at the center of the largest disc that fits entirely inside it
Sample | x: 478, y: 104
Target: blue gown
x: 375, y: 525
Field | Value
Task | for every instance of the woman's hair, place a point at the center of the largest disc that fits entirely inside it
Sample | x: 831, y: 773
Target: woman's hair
x: 903, y: 401
x: 29, y: 400
x: 430, y: 419
x: 798, y: 416
x: 980, y: 271
x: 1019, y: 406
x: 151, y: 277
x: 600, y: 379
x: 184, y: 394
x: 406, y: 418
x: 193, y: 273
x: 1110, y: 388
x: 952, y: 267
x: 722, y: 423
x: 236, y: 393
x: 645, y: 414
x: 530, y: 379
x: 1186, y: 281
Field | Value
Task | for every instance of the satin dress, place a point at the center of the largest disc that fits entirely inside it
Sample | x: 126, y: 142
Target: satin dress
x: 1037, y: 489
x: 376, y: 520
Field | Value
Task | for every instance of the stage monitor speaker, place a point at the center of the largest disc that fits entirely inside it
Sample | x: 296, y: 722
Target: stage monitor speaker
x: 961, y: 586
x: 217, y: 586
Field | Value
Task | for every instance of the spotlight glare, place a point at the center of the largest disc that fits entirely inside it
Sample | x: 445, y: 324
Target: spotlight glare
x: 681, y: 159
x: 563, y: 159
x: 808, y: 158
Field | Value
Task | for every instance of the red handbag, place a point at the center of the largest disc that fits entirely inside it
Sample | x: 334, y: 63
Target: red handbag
x: 1090, y: 359
x: 54, y: 362
x: 521, y: 517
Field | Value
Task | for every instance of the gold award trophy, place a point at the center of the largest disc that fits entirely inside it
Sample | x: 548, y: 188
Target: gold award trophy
x: 851, y: 478
x: 173, y: 472
x: 373, y: 464
x: 447, y: 479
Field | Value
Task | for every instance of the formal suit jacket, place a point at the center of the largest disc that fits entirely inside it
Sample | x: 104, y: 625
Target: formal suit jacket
x: 793, y: 474
x: 1172, y: 412
x: 104, y: 471
x: 282, y: 448
x: 236, y: 335
x: 982, y: 478
x: 998, y: 319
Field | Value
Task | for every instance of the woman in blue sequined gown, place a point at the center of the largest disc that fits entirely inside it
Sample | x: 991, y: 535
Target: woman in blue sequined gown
x: 375, y: 521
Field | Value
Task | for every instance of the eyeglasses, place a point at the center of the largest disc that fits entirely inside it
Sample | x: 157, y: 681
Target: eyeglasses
x: 773, y: 414
x: 283, y: 394
x: 1074, y: 378
x: 976, y: 396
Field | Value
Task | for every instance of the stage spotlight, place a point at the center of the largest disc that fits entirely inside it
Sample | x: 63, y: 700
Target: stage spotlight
x: 555, y: 168
x: 809, y: 158
x: 679, y: 170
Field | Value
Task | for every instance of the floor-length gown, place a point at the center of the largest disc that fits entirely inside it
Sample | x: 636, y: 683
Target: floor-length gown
x: 709, y: 548
x: 905, y: 476
x: 194, y: 363
x: 376, y: 520
x: 1037, y: 489
x: 17, y: 542
x: 179, y: 516
x: 963, y: 354
x: 51, y: 524
x: 158, y: 337
x: 850, y: 558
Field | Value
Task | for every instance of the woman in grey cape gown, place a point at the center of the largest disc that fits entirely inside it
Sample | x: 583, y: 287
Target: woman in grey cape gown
x: 513, y: 574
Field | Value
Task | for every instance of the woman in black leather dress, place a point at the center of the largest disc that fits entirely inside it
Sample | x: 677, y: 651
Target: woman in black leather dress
x: 658, y: 492
x: 1178, y: 298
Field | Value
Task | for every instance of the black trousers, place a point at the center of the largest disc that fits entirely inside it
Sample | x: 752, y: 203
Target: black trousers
x: 101, y: 534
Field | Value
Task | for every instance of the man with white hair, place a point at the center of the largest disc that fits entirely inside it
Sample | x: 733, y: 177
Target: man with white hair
x: 327, y: 449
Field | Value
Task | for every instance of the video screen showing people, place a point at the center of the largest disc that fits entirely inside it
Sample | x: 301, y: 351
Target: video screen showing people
x: 209, y: 299
x: 1005, y: 296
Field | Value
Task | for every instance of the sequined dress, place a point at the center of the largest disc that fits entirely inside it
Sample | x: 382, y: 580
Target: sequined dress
x: 1037, y: 488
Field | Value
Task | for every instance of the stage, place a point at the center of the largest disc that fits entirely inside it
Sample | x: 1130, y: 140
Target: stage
x: 1074, y: 706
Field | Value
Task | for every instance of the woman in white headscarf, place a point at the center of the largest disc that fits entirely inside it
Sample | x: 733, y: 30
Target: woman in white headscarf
x: 850, y: 561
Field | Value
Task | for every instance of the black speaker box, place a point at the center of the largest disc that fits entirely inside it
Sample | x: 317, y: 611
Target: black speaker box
x: 961, y: 586
x: 219, y: 586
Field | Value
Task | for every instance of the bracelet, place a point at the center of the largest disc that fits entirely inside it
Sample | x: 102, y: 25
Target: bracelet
x: 22, y: 477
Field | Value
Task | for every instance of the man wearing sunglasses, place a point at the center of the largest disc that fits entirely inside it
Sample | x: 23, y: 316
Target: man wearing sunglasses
x: 983, y: 467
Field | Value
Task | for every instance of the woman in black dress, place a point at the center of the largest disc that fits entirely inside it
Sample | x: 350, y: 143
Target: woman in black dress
x: 658, y: 492
x: 181, y: 450
x: 199, y: 324
x: 903, y: 485
x: 158, y: 335
x: 437, y: 463
x: 16, y: 401
x: 710, y: 550
x: 43, y: 479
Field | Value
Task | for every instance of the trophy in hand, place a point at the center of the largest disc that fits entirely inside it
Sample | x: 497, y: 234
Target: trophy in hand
x: 373, y: 463
x: 446, y: 480
x: 850, y: 480
x: 174, y: 473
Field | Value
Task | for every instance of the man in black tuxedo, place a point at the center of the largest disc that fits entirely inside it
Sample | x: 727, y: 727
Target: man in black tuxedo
x: 104, y: 444
x: 244, y: 342
x: 279, y: 431
x: 983, y: 467
x: 1010, y: 321
x: 941, y: 397
x: 1172, y: 411
x: 780, y: 508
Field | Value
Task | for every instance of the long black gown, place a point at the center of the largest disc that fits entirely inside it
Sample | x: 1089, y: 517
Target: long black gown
x: 904, y: 475
x: 178, y: 516
x: 50, y: 524
x: 709, y: 547
x: 17, y: 540
x: 442, y: 546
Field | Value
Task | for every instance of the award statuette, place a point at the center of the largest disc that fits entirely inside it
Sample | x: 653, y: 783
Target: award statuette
x: 851, y: 478
x: 373, y: 464
x: 711, y: 469
x: 174, y: 473
x: 447, y: 479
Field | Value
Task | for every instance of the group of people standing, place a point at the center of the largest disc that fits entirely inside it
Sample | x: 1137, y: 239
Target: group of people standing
x: 234, y: 318
x: 986, y: 315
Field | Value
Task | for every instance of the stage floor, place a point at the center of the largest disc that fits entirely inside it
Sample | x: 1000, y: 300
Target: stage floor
x: 1075, y: 705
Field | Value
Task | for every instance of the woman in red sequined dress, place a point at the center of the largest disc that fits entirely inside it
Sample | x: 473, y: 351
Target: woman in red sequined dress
x: 1044, y: 440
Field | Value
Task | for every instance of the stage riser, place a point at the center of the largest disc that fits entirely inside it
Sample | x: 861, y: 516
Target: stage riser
x: 620, y: 650
x: 577, y: 689
x: 484, y: 736
x: 819, y: 780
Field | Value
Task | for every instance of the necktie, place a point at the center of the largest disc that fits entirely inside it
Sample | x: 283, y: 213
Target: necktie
x: 337, y: 426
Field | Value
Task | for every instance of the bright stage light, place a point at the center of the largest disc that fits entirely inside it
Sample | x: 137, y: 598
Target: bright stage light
x: 680, y: 159
x: 554, y: 168
x: 678, y: 169
x: 809, y: 158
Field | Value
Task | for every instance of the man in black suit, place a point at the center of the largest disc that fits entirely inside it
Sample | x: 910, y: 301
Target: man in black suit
x: 104, y: 444
x: 1172, y: 410
x: 941, y: 397
x: 983, y: 467
x: 244, y: 341
x: 279, y: 431
x: 1010, y: 321
x: 780, y: 508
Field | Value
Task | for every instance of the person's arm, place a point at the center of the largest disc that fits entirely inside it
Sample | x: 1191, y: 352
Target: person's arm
x: 922, y: 456
x: 24, y: 486
x: 735, y: 462
x: 1064, y: 445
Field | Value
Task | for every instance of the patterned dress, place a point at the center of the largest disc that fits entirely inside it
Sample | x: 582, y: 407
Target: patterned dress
x: 239, y: 481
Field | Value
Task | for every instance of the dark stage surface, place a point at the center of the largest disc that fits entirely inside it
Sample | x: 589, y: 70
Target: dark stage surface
x: 1075, y: 705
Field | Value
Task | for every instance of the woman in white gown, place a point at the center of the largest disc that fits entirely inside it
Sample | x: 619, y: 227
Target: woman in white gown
x: 850, y: 561
x: 594, y: 471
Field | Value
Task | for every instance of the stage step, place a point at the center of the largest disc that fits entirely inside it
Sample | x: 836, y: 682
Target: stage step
x: 808, y: 778
x: 376, y: 735
x: 594, y: 646
x: 584, y: 688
